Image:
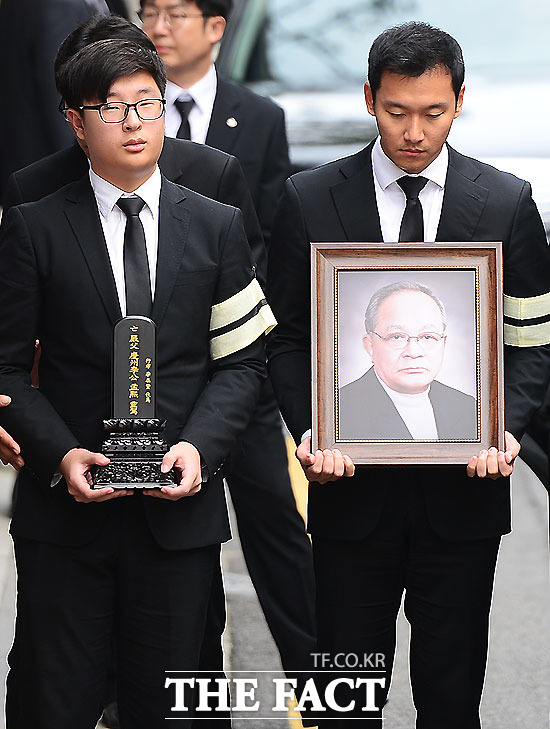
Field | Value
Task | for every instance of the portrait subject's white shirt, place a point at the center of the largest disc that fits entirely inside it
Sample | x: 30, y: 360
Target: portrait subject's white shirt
x: 113, y: 222
x: 203, y: 94
x: 391, y: 200
x: 416, y: 411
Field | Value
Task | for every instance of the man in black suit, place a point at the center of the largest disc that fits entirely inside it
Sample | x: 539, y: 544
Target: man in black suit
x: 97, y: 565
x: 232, y: 118
x: 433, y: 533
x: 403, y: 399
x: 273, y: 537
x: 31, y: 31
x: 217, y: 112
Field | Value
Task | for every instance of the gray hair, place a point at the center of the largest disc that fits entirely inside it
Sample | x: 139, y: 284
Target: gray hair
x: 385, y: 291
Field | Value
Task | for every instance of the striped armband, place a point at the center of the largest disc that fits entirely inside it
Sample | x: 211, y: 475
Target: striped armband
x: 238, y: 321
x: 527, y: 321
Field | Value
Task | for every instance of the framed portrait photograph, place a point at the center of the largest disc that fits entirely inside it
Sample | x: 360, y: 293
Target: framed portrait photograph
x: 407, y: 357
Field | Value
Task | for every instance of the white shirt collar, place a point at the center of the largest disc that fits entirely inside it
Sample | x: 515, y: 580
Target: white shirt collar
x: 387, y: 171
x: 107, y: 194
x: 203, y: 92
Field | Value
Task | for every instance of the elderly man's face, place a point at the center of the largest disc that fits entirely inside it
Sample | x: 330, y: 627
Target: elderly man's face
x: 410, y: 368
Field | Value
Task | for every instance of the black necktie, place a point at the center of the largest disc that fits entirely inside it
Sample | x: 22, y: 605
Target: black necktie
x: 136, y: 264
x: 184, y: 107
x: 412, y: 223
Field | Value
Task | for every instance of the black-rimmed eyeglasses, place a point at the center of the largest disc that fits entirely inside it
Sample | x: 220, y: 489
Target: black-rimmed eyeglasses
x: 114, y: 112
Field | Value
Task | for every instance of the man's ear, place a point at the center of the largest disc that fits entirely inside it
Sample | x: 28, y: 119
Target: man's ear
x: 369, y: 98
x: 367, y: 344
x: 215, y: 28
x: 76, y: 122
x: 459, y: 102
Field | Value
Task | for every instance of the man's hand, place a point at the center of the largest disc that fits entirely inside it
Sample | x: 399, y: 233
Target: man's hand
x: 75, y: 468
x: 323, y: 466
x: 186, y: 459
x: 494, y: 463
x: 10, y: 452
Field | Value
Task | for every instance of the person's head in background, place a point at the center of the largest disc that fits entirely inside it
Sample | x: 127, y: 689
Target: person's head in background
x: 185, y: 34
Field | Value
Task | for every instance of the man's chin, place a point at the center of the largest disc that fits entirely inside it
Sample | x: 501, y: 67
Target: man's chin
x: 413, y: 385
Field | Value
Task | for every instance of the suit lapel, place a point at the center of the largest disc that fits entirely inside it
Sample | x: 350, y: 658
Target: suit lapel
x: 355, y: 199
x: 174, y: 221
x: 226, y: 108
x: 463, y: 200
x: 83, y: 216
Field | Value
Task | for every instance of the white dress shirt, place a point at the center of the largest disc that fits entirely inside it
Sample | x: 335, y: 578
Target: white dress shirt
x: 391, y: 200
x: 113, y: 221
x: 203, y: 94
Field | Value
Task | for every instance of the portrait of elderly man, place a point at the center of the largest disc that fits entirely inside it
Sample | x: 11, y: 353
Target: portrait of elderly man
x: 399, y: 397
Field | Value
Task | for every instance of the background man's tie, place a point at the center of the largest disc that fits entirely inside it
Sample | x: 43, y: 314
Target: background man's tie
x: 184, y: 107
x: 136, y: 264
x: 412, y: 223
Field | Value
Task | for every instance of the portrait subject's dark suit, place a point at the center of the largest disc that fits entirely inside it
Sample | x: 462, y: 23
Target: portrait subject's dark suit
x: 337, y: 202
x: 365, y: 410
x: 258, y: 140
x: 57, y: 285
x: 272, y: 532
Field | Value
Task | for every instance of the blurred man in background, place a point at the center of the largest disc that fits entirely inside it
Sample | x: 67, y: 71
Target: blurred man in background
x: 31, y: 32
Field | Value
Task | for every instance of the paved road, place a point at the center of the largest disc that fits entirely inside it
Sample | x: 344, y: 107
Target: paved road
x: 518, y: 678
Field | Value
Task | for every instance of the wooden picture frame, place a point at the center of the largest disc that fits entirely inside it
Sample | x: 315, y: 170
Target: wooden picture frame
x: 361, y: 414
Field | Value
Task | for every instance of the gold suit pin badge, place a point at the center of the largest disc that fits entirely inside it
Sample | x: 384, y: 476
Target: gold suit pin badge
x: 231, y: 122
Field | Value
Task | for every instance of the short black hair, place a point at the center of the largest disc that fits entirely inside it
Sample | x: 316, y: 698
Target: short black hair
x: 96, y: 28
x: 209, y: 8
x: 90, y: 73
x: 412, y: 49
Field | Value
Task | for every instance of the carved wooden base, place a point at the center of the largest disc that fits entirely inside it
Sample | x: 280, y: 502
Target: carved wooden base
x: 136, y: 449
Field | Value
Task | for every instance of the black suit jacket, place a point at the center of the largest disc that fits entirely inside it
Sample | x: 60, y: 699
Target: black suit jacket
x: 258, y: 140
x: 208, y: 171
x: 31, y: 32
x: 56, y: 284
x: 336, y: 202
x: 454, y: 412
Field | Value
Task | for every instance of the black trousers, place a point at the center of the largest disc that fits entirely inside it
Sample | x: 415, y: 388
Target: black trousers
x: 276, y: 547
x: 448, y: 588
x: 72, y: 601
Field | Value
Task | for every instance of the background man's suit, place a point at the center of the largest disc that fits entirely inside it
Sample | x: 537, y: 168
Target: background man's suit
x: 337, y: 202
x: 31, y: 32
x: 454, y: 411
x: 276, y: 547
x: 58, y: 286
x: 258, y: 140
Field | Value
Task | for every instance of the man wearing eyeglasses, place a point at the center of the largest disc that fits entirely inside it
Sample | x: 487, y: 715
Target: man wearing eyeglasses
x: 205, y: 108
x: 98, y: 568
x: 405, y: 400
